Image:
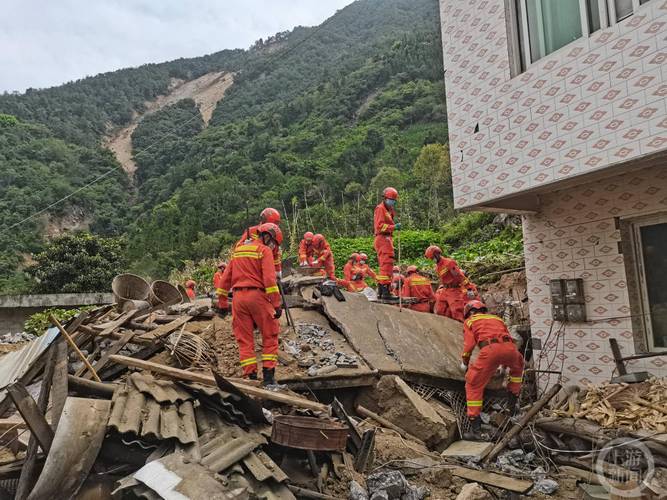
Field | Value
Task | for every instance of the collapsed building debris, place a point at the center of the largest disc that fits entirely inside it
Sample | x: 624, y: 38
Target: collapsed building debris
x: 143, y: 400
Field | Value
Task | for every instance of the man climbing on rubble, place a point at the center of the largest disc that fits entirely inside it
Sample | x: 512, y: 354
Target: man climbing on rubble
x: 496, y: 348
x: 323, y: 256
x: 397, y: 280
x: 418, y: 286
x: 267, y: 216
x: 306, y: 249
x: 455, y: 288
x: 383, y: 228
x: 251, y: 276
x: 222, y: 304
x: 190, y: 289
x: 351, y: 263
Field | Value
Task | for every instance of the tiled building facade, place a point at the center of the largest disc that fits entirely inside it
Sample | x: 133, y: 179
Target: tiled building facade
x: 577, y: 143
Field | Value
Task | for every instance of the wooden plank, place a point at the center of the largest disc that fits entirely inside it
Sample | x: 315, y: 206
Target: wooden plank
x: 33, y: 417
x: 467, y: 449
x: 73, y: 345
x: 164, y: 330
x: 386, y: 423
x: 200, y: 378
x: 493, y: 479
x: 118, y: 322
x: 114, y: 349
x: 91, y: 357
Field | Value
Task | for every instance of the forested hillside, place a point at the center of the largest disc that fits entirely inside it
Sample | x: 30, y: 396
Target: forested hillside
x: 317, y: 122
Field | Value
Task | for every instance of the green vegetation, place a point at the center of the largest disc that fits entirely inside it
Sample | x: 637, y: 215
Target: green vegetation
x: 38, y: 323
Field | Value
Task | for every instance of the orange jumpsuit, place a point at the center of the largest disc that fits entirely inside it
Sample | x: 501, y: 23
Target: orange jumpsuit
x: 347, y: 270
x: 497, y: 348
x: 251, y: 275
x: 306, y: 252
x: 451, y: 296
x: 254, y: 235
x: 416, y: 285
x: 383, y: 228
x: 323, y: 257
x: 366, y: 269
x: 190, y: 292
x: 396, y: 284
x: 217, y: 284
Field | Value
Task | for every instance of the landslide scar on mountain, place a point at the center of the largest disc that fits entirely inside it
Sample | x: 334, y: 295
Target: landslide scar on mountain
x: 206, y: 91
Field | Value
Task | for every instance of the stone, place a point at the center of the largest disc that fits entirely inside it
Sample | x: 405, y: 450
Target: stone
x: 473, y: 491
x: 465, y: 450
x: 357, y: 492
x: 546, y: 486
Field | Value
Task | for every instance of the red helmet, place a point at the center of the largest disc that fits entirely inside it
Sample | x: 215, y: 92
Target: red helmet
x: 390, y: 193
x: 363, y: 256
x: 190, y: 284
x: 354, y: 257
x: 318, y: 240
x: 395, y: 269
x: 431, y: 251
x: 222, y: 264
x: 411, y: 269
x: 270, y: 215
x: 273, y: 230
x: 474, y: 305
x: 308, y: 236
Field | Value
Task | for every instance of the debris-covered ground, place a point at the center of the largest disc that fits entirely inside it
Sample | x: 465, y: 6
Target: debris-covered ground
x: 144, y: 399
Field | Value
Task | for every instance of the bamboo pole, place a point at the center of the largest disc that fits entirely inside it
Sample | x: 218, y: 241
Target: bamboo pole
x: 73, y: 345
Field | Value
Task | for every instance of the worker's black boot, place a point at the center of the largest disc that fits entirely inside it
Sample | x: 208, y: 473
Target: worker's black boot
x: 475, y: 433
x: 512, y: 403
x: 252, y: 376
x: 268, y: 376
x: 383, y: 292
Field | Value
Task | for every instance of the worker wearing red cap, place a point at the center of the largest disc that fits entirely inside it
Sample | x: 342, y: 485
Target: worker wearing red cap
x: 418, y: 286
x: 323, y: 256
x: 396, y: 281
x: 453, y: 292
x: 383, y: 228
x: 251, y: 275
x: 351, y: 263
x: 306, y: 249
x: 190, y: 289
x: 222, y: 302
x: 496, y: 348
x: 267, y: 216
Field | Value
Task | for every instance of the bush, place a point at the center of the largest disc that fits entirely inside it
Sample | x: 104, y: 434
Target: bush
x: 39, y: 322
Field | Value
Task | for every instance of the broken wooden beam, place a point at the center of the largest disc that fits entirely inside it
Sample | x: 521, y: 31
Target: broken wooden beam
x: 386, y: 423
x: 73, y: 345
x: 209, y: 380
x: 86, y: 387
x: 518, y: 427
x: 520, y: 486
x: 114, y: 349
x: 32, y: 415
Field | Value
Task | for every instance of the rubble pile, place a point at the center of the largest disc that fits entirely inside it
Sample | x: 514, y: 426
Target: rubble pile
x: 138, y: 399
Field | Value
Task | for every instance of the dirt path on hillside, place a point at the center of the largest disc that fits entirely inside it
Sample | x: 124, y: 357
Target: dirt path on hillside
x: 206, y: 91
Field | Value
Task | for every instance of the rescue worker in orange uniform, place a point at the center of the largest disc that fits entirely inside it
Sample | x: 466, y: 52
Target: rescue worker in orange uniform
x: 351, y: 263
x: 496, y: 348
x: 383, y: 228
x: 271, y: 216
x: 323, y: 257
x: 418, y: 286
x: 396, y: 281
x: 222, y: 302
x: 251, y: 276
x: 190, y: 289
x: 453, y: 292
x: 363, y: 264
x: 306, y: 249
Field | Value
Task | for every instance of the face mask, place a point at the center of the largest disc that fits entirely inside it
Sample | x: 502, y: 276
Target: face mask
x: 390, y: 203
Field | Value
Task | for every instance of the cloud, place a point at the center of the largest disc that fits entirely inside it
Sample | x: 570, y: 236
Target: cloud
x: 45, y: 43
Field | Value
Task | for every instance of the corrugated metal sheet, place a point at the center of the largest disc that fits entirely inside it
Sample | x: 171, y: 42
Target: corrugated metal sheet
x: 222, y: 403
x: 15, y: 364
x: 162, y: 391
x: 137, y: 413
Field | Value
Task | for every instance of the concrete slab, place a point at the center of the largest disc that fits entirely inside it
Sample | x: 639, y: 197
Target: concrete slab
x: 467, y: 449
x: 399, y: 341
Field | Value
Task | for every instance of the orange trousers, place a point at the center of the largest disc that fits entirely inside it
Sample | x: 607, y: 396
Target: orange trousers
x: 484, y: 367
x: 421, y: 307
x: 384, y: 246
x: 251, y: 307
x: 450, y: 302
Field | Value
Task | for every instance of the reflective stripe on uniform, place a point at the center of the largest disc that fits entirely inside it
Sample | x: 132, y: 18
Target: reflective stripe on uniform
x: 442, y: 271
x: 466, y: 354
x: 272, y: 289
x: 381, y: 278
x: 248, y: 361
x: 474, y: 403
x: 420, y: 281
x: 516, y: 380
x: 384, y: 227
x: 269, y: 357
x: 222, y: 291
x: 246, y: 255
x: 476, y: 317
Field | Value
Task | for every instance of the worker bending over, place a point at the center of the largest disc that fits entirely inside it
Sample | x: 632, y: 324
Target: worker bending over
x: 267, y: 216
x: 383, y: 228
x: 419, y: 287
x: 222, y: 303
x: 190, y: 289
x: 323, y: 257
x: 496, y: 348
x: 455, y: 288
x: 306, y: 249
x: 251, y: 275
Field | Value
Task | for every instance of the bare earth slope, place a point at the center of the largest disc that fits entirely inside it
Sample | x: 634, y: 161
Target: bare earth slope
x: 206, y: 91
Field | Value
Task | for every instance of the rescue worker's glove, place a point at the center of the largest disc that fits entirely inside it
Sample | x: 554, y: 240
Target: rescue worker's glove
x: 464, y: 367
x: 278, y: 313
x: 398, y: 226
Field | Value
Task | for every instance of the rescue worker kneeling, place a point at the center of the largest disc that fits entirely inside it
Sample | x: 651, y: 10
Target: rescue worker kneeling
x: 419, y: 287
x: 251, y: 275
x: 497, y: 348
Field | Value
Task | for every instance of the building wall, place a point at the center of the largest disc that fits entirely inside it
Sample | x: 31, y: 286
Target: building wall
x: 597, y: 101
x: 575, y: 236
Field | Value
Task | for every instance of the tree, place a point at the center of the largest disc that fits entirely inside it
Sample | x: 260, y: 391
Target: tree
x: 76, y: 263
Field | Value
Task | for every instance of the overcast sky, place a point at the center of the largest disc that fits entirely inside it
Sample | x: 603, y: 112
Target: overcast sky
x: 48, y: 42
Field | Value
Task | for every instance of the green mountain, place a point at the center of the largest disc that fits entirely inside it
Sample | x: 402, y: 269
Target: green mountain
x: 317, y: 122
